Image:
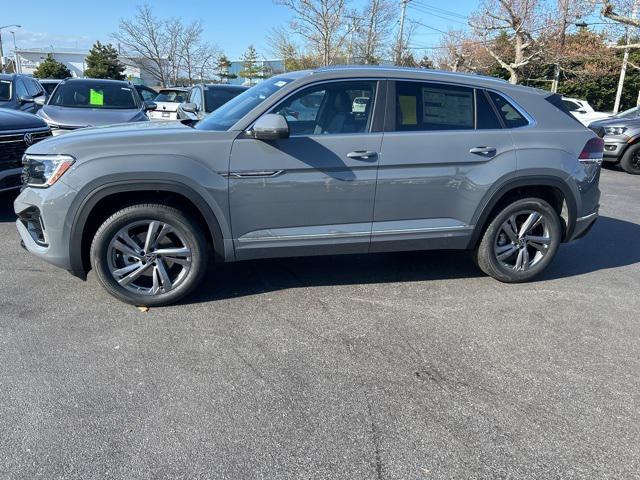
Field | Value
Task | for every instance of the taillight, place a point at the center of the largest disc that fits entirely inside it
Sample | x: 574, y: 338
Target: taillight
x: 592, y: 151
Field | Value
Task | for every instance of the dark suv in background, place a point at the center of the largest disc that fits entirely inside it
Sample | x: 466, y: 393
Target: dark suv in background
x: 20, y: 92
x: 18, y: 131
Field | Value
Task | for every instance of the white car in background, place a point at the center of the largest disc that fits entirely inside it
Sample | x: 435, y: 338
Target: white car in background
x: 583, y: 111
x: 167, y: 101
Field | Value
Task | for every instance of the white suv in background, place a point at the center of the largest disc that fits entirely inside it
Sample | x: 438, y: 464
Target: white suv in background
x: 583, y: 111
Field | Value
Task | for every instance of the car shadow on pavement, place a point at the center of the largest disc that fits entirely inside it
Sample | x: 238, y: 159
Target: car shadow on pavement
x: 606, y: 246
x: 6, y: 207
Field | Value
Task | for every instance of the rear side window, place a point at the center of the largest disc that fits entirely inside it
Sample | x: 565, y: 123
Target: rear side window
x: 511, y: 117
x: 486, y: 115
x: 429, y: 106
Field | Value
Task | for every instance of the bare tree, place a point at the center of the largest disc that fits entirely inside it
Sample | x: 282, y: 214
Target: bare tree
x: 146, y: 42
x: 322, y: 24
x: 610, y: 11
x: 376, y: 22
x: 190, y: 50
x: 515, y: 20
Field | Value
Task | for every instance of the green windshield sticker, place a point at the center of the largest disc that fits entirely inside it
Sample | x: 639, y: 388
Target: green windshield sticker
x: 96, y: 97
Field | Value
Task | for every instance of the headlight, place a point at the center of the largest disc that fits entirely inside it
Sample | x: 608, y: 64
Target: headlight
x: 44, y: 170
x: 615, y: 130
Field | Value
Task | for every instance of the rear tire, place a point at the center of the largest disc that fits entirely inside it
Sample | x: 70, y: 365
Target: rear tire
x: 630, y: 161
x: 520, y: 241
x: 149, y: 254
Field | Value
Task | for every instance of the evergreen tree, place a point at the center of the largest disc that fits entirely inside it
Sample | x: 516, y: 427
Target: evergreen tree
x: 51, y: 68
x: 223, y: 64
x: 426, y: 63
x: 102, y: 62
x: 250, y: 68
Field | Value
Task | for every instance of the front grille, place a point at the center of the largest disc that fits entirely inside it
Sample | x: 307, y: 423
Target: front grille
x: 13, y: 146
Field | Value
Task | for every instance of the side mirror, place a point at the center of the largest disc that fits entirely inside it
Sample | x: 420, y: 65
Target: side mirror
x: 190, y: 107
x: 41, y: 100
x: 270, y: 127
x: 150, y: 106
x: 27, y: 99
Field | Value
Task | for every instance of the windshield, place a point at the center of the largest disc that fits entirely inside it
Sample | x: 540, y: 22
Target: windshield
x: 87, y: 94
x: 5, y: 90
x: 171, y: 96
x: 632, y: 112
x: 232, y: 111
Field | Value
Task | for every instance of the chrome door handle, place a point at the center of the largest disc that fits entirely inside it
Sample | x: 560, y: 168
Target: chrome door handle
x: 488, y: 151
x: 362, y: 155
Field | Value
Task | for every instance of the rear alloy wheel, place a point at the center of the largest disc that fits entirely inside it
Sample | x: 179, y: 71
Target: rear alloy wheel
x: 520, y: 241
x: 630, y: 161
x: 149, y: 254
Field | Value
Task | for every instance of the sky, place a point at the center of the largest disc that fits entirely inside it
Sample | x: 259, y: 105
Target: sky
x: 231, y: 25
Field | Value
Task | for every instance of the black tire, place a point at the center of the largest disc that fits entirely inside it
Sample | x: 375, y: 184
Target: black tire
x: 485, y: 253
x: 630, y: 161
x: 184, y: 227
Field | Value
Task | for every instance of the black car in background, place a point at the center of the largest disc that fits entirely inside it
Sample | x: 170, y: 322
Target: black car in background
x: 18, y: 131
x: 147, y: 94
x: 19, y: 92
x: 204, y: 99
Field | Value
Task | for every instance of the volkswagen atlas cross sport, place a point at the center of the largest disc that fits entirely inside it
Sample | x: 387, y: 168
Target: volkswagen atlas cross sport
x: 433, y: 160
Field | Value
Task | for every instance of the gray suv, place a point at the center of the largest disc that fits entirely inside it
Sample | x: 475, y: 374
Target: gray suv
x: 295, y: 166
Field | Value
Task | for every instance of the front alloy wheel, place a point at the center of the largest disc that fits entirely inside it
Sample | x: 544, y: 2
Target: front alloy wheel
x: 149, y: 254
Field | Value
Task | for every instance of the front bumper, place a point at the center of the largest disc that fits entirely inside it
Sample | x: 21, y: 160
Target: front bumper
x: 10, y: 179
x: 42, y: 224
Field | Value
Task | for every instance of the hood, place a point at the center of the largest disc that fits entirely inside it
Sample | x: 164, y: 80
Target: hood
x: 633, y: 122
x: 15, y: 120
x: 83, y: 117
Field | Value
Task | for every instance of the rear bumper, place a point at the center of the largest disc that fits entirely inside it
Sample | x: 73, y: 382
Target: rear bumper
x: 584, y: 224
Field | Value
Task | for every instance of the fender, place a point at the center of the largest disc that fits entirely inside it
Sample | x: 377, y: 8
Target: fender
x: 494, y: 195
x: 85, y: 203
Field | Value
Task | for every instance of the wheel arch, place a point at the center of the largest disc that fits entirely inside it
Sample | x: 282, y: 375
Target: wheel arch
x: 550, y: 188
x: 83, y: 222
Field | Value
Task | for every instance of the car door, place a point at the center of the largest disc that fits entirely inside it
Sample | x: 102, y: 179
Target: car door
x: 444, y: 145
x: 313, y: 192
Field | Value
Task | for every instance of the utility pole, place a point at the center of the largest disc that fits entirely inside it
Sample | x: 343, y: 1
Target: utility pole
x: 18, y: 67
x: 400, y: 48
x: 1, y: 50
x: 564, y: 7
x: 625, y: 61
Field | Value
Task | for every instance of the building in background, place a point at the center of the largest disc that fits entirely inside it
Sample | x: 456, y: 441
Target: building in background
x: 74, y: 59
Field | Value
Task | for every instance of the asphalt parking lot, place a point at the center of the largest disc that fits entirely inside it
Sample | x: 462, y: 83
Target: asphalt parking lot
x: 395, y: 366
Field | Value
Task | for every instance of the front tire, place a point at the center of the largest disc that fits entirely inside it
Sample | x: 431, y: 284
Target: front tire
x: 520, y: 241
x: 149, y: 254
x: 630, y: 161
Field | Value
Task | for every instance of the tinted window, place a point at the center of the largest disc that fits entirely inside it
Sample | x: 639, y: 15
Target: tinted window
x: 330, y: 108
x: 510, y: 116
x: 89, y: 94
x: 171, y: 96
x: 214, y: 98
x: 486, y: 115
x: 147, y: 95
x: 232, y: 111
x: 572, y: 106
x: 429, y: 106
x: 21, y: 90
x: 5, y: 90
x: 49, y: 87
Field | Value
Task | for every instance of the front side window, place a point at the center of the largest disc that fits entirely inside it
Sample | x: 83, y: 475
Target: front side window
x: 88, y: 94
x: 330, y: 108
x: 427, y: 106
x: 147, y: 95
x: 21, y: 90
x: 33, y: 88
x: 196, y: 97
x: 5, y: 90
x: 214, y: 98
x: 511, y: 117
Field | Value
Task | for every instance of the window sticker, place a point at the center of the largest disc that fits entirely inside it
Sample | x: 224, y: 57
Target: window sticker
x: 408, y: 110
x: 447, y: 107
x: 96, y: 97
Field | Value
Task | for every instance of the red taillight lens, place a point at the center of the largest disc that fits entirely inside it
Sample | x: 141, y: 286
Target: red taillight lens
x: 592, y: 151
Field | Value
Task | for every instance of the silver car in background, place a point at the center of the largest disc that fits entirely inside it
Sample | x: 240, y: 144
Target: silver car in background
x: 167, y: 102
x: 86, y: 102
x: 435, y: 160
